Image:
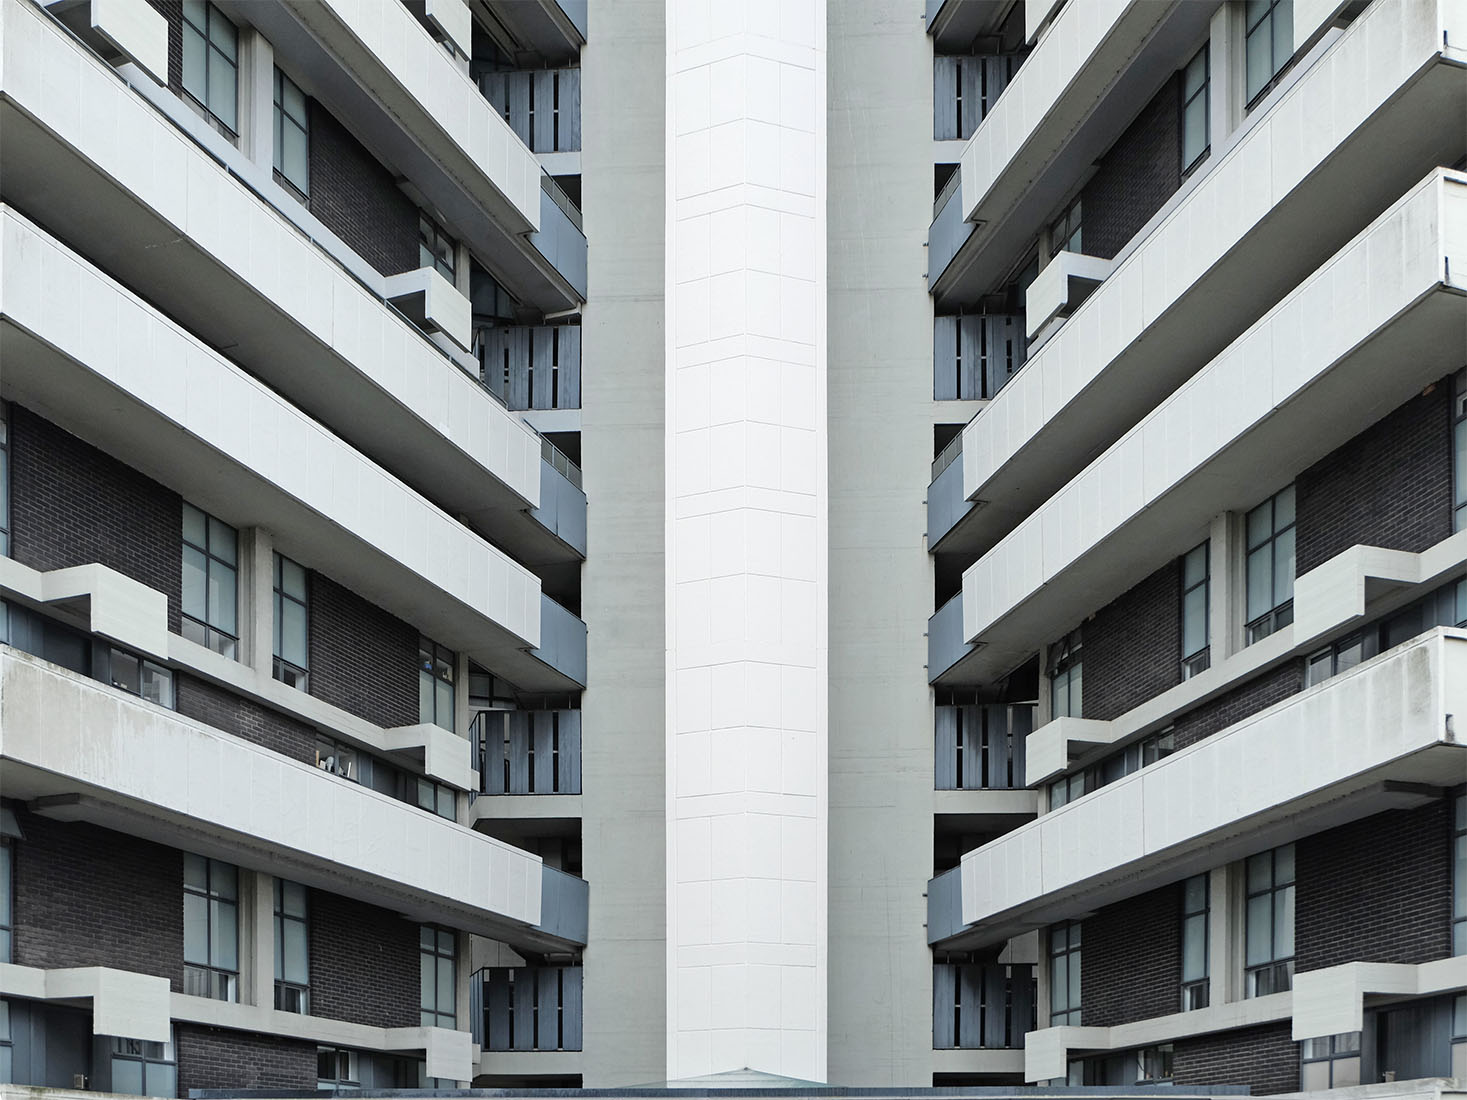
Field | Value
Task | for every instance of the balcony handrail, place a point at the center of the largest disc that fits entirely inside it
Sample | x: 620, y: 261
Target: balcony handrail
x: 947, y: 456
x: 562, y: 200
x: 560, y: 461
x: 953, y: 183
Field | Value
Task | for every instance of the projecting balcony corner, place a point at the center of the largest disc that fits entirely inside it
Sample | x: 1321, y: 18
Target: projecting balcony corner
x: 945, y: 502
x: 1053, y: 744
x: 562, y: 645
x: 96, y: 598
x: 949, y: 231
x: 945, y: 905
x: 562, y: 509
x: 120, y: 31
x: 560, y: 239
x: 564, y: 906
x: 1058, y: 290
x: 1332, y: 1000
x: 432, y: 303
x: 443, y: 754
x: 946, y: 647
x: 124, y: 1003
x: 451, y: 23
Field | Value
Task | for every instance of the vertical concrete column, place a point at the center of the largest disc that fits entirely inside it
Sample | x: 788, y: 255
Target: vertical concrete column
x: 746, y: 539
x: 257, y: 599
x: 1221, y: 641
x: 464, y: 958
x: 1225, y: 73
x: 257, y: 938
x: 257, y: 98
x: 1224, y: 935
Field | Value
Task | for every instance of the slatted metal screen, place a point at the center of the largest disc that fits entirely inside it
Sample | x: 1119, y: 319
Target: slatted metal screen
x: 532, y: 366
x: 981, y: 746
x: 530, y: 1008
x: 529, y: 751
x: 981, y: 1006
x: 974, y: 356
x: 964, y: 90
x: 542, y: 106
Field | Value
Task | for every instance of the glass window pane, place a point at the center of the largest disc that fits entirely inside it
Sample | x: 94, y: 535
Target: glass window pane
x: 296, y: 157
x: 222, y: 90
x: 195, y: 929
x: 445, y: 942
x: 1314, y: 1076
x: 1194, y: 894
x: 1260, y: 929
x: 1074, y: 979
x: 1283, y: 567
x: 293, y: 898
x: 224, y: 940
x: 1194, y: 130
x: 1260, y: 524
x: 293, y: 633
x: 294, y: 101
x: 222, y: 598
x: 1283, y: 864
x: 1283, y: 508
x: 1346, y: 1072
x: 295, y: 965
x: 1077, y: 704
x: 127, y: 672
x: 1260, y: 61
x: 1260, y: 583
x: 445, y: 985
x: 444, y: 711
x: 195, y: 871
x: 1194, y: 621
x: 162, y: 1079
x: 223, y: 34
x: 427, y: 982
x: 1283, y: 923
x: 1283, y: 33
x: 425, y: 697
x: 223, y: 541
x: 1059, y: 982
x: 195, y: 574
x: 1194, y: 566
x: 293, y: 579
x: 193, y: 83
x: 1459, y: 906
x: 127, y: 1076
x: 1194, y: 948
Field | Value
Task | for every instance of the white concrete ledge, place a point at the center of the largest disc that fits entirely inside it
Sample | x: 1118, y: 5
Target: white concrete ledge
x: 1060, y: 288
x: 529, y: 1063
x: 443, y: 754
x: 1332, y: 1001
x: 1006, y: 1062
x: 100, y: 600
x: 151, y: 772
x: 133, y: 1006
x: 431, y: 300
x: 127, y: 30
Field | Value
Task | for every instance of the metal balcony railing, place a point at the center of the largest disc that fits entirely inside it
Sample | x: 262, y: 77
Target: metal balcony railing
x: 974, y: 356
x: 981, y: 746
x: 528, y: 751
x: 526, y: 1007
x: 964, y: 89
x: 542, y: 106
x: 531, y: 366
x: 981, y: 1006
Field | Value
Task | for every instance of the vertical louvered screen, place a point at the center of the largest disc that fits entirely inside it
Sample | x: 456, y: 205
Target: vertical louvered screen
x: 570, y: 751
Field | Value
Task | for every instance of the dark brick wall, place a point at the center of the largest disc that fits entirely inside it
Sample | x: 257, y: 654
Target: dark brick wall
x: 214, y: 1058
x: 1131, y: 966
x: 1264, y: 1058
x: 1235, y: 705
x: 364, y: 963
x: 1139, y: 173
x: 1376, y: 890
x: 357, y: 198
x: 363, y: 659
x: 86, y: 896
x: 1132, y: 647
x: 71, y: 504
x: 244, y: 718
x: 1390, y: 486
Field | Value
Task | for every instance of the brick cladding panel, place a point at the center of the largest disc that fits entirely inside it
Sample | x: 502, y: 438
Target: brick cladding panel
x: 1237, y: 704
x: 245, y: 718
x: 1390, y: 486
x: 1376, y: 890
x: 357, y: 198
x: 363, y: 659
x: 1264, y: 1058
x: 213, y: 1058
x: 1132, y: 648
x: 86, y: 896
x: 1131, y: 965
x: 364, y: 963
x: 71, y: 504
x: 1139, y: 173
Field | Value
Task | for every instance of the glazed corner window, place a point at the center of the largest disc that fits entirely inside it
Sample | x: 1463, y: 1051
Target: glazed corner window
x: 1196, y: 590
x: 211, y: 62
x: 143, y: 1069
x: 210, y: 581
x: 141, y: 677
x: 435, y: 684
x: 1194, y: 943
x: 292, y: 952
x: 1459, y: 454
x: 1459, y: 875
x: 1270, y: 565
x: 437, y: 972
x: 291, y: 624
x: 210, y: 928
x: 1064, y: 973
x: 1329, y: 1062
x: 1064, y: 677
x: 1268, y: 43
x: 292, y: 134
x: 1196, y: 90
x: 1064, y: 233
x: 435, y: 247
x: 1269, y: 922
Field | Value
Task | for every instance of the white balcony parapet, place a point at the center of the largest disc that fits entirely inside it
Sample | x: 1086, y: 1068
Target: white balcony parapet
x: 1332, y: 1001
x: 1312, y: 159
x: 100, y: 600
x: 443, y: 754
x: 1057, y: 291
x: 1364, y: 741
x: 162, y: 775
x: 1317, y: 368
x: 130, y: 30
x: 310, y: 300
x: 453, y: 21
x: 433, y: 302
x: 175, y: 405
x: 133, y: 1006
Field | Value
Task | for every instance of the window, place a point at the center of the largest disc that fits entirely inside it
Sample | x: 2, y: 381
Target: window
x: 1269, y: 42
x: 1064, y: 973
x: 1334, y: 659
x: 1330, y: 1062
x: 435, y: 684
x: 1194, y: 943
x: 437, y: 977
x: 1269, y: 922
x: 1132, y: 758
x: 210, y: 928
x: 436, y: 798
x: 1196, y: 91
x: 1071, y: 787
x: 1459, y: 875
x: 292, y: 951
x: 141, y: 677
x: 6, y: 1071
x: 360, y: 767
x: 1064, y: 234
x: 1196, y: 591
x: 1064, y: 677
x: 336, y: 1068
x: 1459, y: 1036
x: 143, y: 1069
x: 7, y: 901
x: 5, y: 481
x: 292, y: 134
x: 210, y: 581
x: 1459, y: 453
x: 435, y: 247
x: 211, y: 62
x: 291, y: 624
x: 1270, y: 533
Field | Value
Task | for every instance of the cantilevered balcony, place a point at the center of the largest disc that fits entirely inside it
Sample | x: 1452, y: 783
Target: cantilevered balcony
x: 528, y: 752
x: 1358, y: 126
x: 1378, y: 322
x: 1374, y: 738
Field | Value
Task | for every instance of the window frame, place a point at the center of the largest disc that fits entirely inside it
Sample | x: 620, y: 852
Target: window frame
x: 222, y: 982
x: 339, y: 1055
x: 1067, y: 229
x: 1201, y: 659
x: 1281, y: 610
x: 207, y: 631
x: 146, y: 669
x: 1196, y: 914
x: 4, y: 479
x: 432, y: 237
x: 436, y: 946
x: 433, y: 657
x: 141, y: 1052
x: 1276, y: 63
x: 291, y: 994
x: 1459, y: 450
x: 1186, y: 102
x: 205, y: 36
x: 7, y: 900
x: 286, y: 671
x: 1066, y: 942
x: 1276, y: 973
x: 1066, y: 667
x: 1332, y: 1052
x: 283, y: 118
x: 1459, y: 874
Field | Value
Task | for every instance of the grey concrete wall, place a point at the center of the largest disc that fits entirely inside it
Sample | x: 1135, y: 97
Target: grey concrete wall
x: 880, y: 392
x: 624, y: 799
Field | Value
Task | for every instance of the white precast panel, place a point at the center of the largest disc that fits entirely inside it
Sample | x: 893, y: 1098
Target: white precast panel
x: 746, y: 538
